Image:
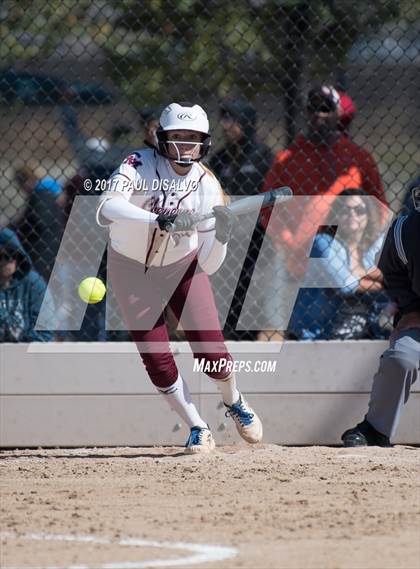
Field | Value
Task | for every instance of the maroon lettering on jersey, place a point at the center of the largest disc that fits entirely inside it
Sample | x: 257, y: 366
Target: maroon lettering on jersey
x: 133, y: 160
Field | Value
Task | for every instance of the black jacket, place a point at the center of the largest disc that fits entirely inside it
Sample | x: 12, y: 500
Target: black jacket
x: 400, y: 263
x: 40, y: 230
x: 241, y: 167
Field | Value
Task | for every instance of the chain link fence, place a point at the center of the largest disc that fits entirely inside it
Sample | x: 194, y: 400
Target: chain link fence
x: 320, y: 96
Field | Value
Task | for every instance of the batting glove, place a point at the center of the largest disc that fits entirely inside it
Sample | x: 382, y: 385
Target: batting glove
x: 182, y: 221
x: 225, y: 222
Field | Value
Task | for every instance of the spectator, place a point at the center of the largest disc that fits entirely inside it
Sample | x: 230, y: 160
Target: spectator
x: 243, y: 162
x: 84, y: 237
x: 22, y: 291
x: 351, y: 310
x: 119, y: 133
x: 150, y: 120
x: 98, y: 155
x: 40, y: 227
x: 322, y: 162
x: 240, y: 166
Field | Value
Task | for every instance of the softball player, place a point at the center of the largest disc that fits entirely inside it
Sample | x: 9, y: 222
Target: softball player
x: 399, y: 365
x: 150, y: 267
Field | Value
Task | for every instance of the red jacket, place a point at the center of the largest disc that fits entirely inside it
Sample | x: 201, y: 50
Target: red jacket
x: 316, y: 170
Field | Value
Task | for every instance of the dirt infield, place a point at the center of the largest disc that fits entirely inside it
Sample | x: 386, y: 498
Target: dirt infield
x: 268, y: 506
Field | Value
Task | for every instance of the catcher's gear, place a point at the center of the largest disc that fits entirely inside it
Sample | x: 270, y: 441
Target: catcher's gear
x: 182, y: 116
x: 182, y: 221
x: 415, y: 194
x: 364, y: 434
x: 225, y: 222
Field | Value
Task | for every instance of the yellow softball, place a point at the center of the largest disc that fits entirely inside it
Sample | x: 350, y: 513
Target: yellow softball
x: 92, y: 290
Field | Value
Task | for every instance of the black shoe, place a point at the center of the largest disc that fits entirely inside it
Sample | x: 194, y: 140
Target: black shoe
x: 364, y: 435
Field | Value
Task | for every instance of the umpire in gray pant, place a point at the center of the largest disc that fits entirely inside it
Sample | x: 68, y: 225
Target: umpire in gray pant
x: 399, y: 365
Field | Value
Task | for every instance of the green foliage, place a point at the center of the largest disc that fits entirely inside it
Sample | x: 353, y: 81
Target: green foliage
x: 196, y: 47
x: 32, y: 29
x: 203, y: 48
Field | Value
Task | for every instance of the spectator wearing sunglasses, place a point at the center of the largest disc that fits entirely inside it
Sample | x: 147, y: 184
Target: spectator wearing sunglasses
x: 322, y: 161
x: 352, y: 307
x: 22, y: 291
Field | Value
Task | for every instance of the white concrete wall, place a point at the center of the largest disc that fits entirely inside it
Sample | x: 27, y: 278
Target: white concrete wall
x: 99, y: 394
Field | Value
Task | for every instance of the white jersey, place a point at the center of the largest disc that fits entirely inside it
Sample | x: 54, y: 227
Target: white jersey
x: 147, y: 181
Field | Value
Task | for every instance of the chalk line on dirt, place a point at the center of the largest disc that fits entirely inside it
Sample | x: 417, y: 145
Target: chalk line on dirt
x: 201, y: 553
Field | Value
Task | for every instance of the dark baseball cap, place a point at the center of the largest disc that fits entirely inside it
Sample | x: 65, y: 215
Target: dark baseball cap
x: 323, y: 99
x: 241, y: 111
x: 148, y: 114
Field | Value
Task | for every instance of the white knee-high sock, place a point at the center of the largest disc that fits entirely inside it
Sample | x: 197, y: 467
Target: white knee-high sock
x: 228, y: 389
x: 179, y: 398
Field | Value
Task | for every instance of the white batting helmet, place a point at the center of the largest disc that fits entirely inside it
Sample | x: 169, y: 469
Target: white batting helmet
x: 184, y: 116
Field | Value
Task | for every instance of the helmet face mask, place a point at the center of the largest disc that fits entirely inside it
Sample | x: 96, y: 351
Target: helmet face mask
x: 183, y: 151
x: 183, y: 117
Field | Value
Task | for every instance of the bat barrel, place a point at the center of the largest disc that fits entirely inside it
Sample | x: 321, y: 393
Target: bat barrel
x: 283, y: 192
x: 247, y: 205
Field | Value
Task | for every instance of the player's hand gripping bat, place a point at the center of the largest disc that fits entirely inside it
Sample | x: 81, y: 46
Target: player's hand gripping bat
x: 243, y: 206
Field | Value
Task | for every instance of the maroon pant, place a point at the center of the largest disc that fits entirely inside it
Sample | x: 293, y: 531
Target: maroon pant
x: 142, y: 296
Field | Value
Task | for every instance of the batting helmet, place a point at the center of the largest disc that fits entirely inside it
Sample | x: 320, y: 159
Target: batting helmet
x: 183, y: 116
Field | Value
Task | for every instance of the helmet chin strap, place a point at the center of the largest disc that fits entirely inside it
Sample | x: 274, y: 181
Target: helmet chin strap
x: 184, y: 164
